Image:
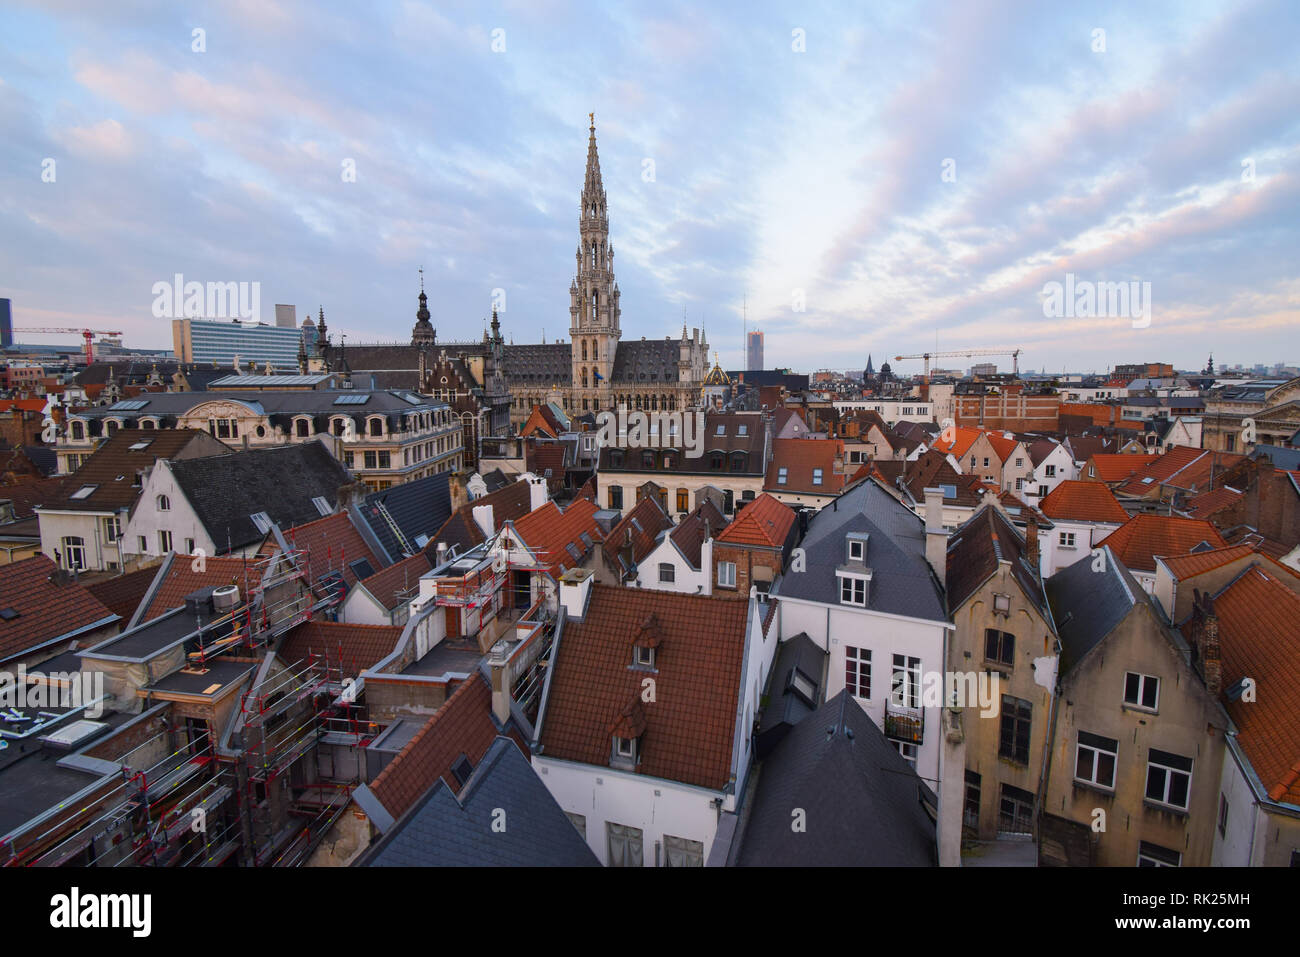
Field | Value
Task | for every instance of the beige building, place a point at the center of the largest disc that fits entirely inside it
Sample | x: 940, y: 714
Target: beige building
x: 1004, y: 630
x: 1138, y: 740
x: 1237, y: 418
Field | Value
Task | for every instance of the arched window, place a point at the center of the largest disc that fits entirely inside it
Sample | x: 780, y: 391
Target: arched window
x: 148, y: 424
x: 111, y: 426
x: 376, y: 426
x: 584, y: 350
x: 584, y: 375
x: 338, y: 427
x: 302, y: 428
x: 164, y: 503
x: 595, y: 296
x: 78, y: 429
x: 737, y: 461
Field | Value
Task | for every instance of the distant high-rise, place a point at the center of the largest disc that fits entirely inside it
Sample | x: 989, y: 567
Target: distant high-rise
x: 754, y: 352
x: 6, y: 325
x: 284, y: 316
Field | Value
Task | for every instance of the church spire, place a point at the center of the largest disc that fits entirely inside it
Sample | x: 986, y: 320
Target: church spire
x: 594, y: 294
x: 423, y: 334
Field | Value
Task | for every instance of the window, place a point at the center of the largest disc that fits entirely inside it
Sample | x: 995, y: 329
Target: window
x: 625, y: 747
x: 715, y: 461
x: 624, y: 845
x: 857, y: 549
x: 853, y: 591
x: 817, y: 476
x: 986, y: 463
x: 906, y: 689
x: 647, y: 459
x: 999, y: 646
x: 727, y: 574
x: 616, y: 497
x: 74, y: 552
x: 1223, y: 815
x: 645, y: 657
x: 372, y: 460
x: 112, y: 529
x: 1142, y: 691
x: 1094, y: 761
x: 84, y: 492
x: 1014, y: 739
x: 579, y: 821
x: 722, y: 429
x: 1015, y: 811
x: 1066, y: 539
x: 742, y: 430
x: 189, y: 546
x: 78, y: 429
x: 1020, y: 463
x: 908, y: 749
x: 1050, y: 471
x: 857, y: 672
x: 385, y: 460
x: 164, y: 542
x: 971, y: 810
x: 301, y: 427
x: 679, y: 852
x: 667, y: 572
x: 1169, y: 778
x: 683, y: 500
x: 1042, y: 491
x: 143, y: 543
x: 781, y: 475
x: 164, y: 503
x: 1002, y: 604
x: 1153, y: 855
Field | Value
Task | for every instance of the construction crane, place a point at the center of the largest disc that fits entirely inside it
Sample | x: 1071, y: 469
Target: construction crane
x: 1013, y: 353
x: 87, y: 334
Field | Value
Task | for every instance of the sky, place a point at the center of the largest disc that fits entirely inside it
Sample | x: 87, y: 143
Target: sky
x: 852, y: 179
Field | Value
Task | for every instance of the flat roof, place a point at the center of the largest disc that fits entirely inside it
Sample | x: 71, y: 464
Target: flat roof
x: 216, y: 679
x: 454, y: 657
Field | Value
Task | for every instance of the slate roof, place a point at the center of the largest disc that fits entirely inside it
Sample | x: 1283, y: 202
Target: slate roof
x: 27, y: 495
x: 112, y: 469
x: 225, y: 490
x: 692, y: 531
x: 902, y: 581
x: 1087, y: 605
x: 1258, y: 638
x: 1083, y: 502
x: 753, y: 444
x: 332, y: 544
x: 539, y: 366
x: 462, y: 726
x: 691, y: 728
x: 785, y: 706
x: 354, y: 648
x: 45, y: 610
x: 765, y: 523
x: 446, y: 829
x: 418, y: 508
x: 646, y: 363
x: 799, y: 457
x: 281, y: 404
x: 975, y: 551
x: 861, y: 800
x: 1146, y: 536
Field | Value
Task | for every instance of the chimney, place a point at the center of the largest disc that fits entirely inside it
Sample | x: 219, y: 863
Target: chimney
x: 1211, y: 662
x: 1031, y: 541
x: 536, y: 492
x: 484, y: 519
x: 575, y: 590
x: 936, y: 537
x: 459, y: 493
x: 498, y: 662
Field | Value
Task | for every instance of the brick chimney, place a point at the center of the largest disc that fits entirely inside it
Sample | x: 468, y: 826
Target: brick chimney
x: 1211, y: 661
x: 1031, y: 541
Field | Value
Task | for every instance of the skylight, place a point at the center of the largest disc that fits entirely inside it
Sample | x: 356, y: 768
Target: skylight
x: 84, y: 492
x: 353, y: 398
x: 262, y: 521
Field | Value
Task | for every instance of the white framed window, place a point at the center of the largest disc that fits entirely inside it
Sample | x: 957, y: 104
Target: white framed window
x: 727, y: 574
x: 143, y: 543
x: 1142, y: 691
x: 908, y: 749
x: 782, y: 474
x: 857, y: 672
x: 579, y: 821
x: 857, y: 549
x: 164, y: 542
x: 1066, y: 539
x: 1169, y: 779
x: 1050, y: 471
x: 74, y: 552
x: 667, y: 572
x: 817, y: 476
x: 853, y: 591
x: 645, y: 657
x: 682, y: 852
x: 625, y: 845
x: 1153, y: 855
x: 906, y: 688
x: 625, y: 747
x: 164, y: 503
x: 189, y: 546
x: 1095, y: 759
x: 112, y: 529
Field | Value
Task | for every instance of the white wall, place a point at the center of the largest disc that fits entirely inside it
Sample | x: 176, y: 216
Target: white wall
x: 834, y: 628
x: 686, y: 579
x: 180, y: 520
x: 1053, y: 556
x: 1233, y: 847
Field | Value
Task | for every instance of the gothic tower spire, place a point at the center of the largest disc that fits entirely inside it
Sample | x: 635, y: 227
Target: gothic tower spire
x: 423, y: 334
x: 593, y: 294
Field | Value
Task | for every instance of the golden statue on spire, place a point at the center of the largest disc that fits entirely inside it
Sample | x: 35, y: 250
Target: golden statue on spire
x: 592, y: 117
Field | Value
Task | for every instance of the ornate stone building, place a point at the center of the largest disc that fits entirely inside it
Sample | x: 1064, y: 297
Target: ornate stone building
x: 494, y: 385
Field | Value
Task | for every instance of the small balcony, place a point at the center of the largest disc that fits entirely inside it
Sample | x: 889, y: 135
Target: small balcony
x: 904, y: 724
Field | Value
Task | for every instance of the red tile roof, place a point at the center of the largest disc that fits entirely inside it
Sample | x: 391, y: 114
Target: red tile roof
x: 354, y: 648
x: 1115, y: 466
x: 45, y: 610
x: 799, y: 457
x: 510, y: 502
x: 961, y: 439
x: 27, y: 495
x: 1258, y: 638
x: 691, y: 725
x: 1207, y: 503
x: 123, y: 593
x: 1183, y: 567
x: 111, y: 468
x: 1183, y: 467
x: 1143, y: 537
x: 763, y: 522
x: 398, y: 582
x: 180, y: 579
x: 463, y: 725
x: 692, y: 531
x: 640, y: 528
x: 331, y: 544
x: 549, y: 531
x: 1083, y: 502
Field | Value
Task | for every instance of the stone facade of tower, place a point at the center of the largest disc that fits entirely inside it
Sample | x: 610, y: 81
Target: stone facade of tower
x: 593, y: 294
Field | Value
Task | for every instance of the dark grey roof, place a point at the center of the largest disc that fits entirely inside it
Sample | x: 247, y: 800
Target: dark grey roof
x: 647, y: 362
x: 902, y: 582
x: 43, y: 457
x: 275, y: 402
x: 786, y: 707
x: 444, y: 830
x: 1281, y: 458
x: 539, y: 365
x: 1087, y: 605
x: 417, y: 508
x: 496, y: 479
x: 225, y: 490
x: 862, y: 802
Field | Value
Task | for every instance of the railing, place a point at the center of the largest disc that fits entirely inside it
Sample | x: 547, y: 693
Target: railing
x: 904, y: 724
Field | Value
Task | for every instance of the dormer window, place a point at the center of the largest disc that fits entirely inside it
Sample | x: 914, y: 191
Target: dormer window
x: 645, y: 657
x: 625, y: 748
x: 857, y: 549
